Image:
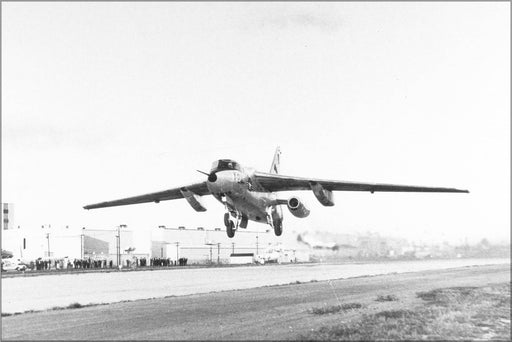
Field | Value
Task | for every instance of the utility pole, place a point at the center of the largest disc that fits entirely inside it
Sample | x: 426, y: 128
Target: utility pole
x: 82, y: 244
x: 218, y: 253
x: 257, y: 250
x: 119, y: 244
x: 48, y: 238
x: 232, y: 248
x: 177, y: 249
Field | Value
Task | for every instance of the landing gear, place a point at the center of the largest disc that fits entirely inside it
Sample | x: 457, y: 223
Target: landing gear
x: 232, y: 224
x: 275, y: 219
x: 226, y: 219
x: 244, y: 221
x: 233, y: 218
x: 230, y: 229
x: 278, y: 228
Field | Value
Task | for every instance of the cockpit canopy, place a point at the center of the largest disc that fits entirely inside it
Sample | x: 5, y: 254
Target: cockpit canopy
x: 225, y: 164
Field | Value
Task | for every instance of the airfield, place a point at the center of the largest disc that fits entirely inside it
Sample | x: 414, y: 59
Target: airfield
x: 256, y: 302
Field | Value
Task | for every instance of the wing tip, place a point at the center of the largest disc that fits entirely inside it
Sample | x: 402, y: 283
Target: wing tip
x: 465, y: 191
x: 91, y: 206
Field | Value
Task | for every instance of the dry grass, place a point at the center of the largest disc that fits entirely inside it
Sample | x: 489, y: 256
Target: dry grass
x: 70, y: 306
x: 335, y: 308
x: 445, y: 314
x: 387, y: 298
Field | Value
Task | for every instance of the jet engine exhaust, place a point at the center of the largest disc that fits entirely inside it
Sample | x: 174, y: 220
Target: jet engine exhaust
x: 297, y: 208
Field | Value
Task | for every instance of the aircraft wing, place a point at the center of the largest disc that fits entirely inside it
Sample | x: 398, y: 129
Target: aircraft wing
x: 274, y: 182
x: 198, y: 189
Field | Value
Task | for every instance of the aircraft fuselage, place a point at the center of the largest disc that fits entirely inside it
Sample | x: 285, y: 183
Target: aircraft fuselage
x: 240, y: 193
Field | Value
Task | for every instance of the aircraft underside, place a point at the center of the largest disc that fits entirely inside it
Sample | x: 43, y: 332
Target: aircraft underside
x: 242, y: 209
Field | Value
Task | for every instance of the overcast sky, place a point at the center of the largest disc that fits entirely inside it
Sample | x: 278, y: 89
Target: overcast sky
x: 107, y: 100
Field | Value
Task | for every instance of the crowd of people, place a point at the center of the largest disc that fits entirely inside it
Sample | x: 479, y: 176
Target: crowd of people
x: 65, y: 263
x: 167, y: 262
x: 89, y: 263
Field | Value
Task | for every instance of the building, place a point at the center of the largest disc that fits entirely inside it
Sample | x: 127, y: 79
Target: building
x: 72, y: 243
x: 103, y: 244
x: 7, y: 216
x: 203, y: 245
x: 31, y: 244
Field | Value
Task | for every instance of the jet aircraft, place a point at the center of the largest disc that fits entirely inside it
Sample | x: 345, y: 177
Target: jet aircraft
x: 249, y: 195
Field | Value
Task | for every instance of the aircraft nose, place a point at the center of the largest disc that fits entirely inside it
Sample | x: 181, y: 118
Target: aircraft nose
x: 220, y: 182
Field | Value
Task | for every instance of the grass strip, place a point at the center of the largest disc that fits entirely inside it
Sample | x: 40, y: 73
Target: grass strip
x: 468, y: 313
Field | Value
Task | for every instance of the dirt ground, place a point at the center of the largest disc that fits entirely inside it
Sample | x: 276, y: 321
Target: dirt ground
x: 271, y: 313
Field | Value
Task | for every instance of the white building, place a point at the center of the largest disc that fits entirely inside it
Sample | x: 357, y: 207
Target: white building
x: 207, y: 245
x: 198, y: 245
x: 58, y: 243
x: 27, y: 244
x: 8, y: 216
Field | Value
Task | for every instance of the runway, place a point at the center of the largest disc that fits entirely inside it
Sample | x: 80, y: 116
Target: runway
x: 277, y: 312
x: 47, y: 291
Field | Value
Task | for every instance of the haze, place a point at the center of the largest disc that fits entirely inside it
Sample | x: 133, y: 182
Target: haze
x: 107, y: 100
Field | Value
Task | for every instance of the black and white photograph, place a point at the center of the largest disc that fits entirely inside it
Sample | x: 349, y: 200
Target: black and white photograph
x: 255, y: 170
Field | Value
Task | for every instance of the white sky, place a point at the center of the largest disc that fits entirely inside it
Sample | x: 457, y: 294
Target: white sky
x: 107, y: 100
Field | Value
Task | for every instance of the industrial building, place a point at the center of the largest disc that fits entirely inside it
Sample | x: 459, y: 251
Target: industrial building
x: 201, y: 245
x: 56, y: 243
x: 198, y: 245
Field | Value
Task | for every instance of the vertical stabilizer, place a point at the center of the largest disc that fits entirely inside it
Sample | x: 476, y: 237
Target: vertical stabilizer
x: 276, y: 163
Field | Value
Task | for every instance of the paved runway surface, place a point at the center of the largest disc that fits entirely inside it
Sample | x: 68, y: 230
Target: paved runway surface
x: 44, y: 292
x: 279, y: 312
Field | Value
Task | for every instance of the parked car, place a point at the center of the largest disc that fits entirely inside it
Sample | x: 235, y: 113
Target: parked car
x: 13, y: 265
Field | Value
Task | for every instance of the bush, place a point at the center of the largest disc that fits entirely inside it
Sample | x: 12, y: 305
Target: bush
x: 394, y: 314
x: 335, y: 308
x: 388, y: 298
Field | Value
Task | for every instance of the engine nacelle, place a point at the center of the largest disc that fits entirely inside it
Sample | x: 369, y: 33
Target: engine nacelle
x: 194, y: 200
x: 297, y: 208
x: 326, y: 197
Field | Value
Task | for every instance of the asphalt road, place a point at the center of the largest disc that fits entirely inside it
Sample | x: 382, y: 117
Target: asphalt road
x: 271, y: 312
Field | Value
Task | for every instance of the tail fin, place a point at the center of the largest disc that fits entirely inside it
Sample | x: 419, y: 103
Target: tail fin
x: 276, y: 163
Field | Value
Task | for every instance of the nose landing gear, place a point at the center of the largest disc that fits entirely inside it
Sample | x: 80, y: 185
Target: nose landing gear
x: 233, y: 223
